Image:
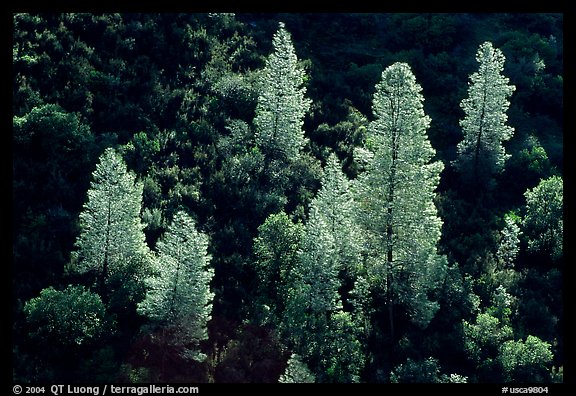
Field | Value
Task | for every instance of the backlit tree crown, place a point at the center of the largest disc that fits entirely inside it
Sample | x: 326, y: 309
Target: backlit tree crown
x: 281, y: 104
x: 481, y: 152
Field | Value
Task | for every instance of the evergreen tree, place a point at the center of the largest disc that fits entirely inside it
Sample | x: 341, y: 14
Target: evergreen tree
x: 492, y: 328
x: 296, y: 372
x: 281, y: 104
x: 482, y: 339
x: 543, y: 222
x: 312, y: 290
x: 179, y: 291
x: 424, y: 371
x: 395, y: 194
x: 481, y: 153
x: 112, y: 244
x: 526, y: 361
x: 510, y: 242
x: 314, y: 321
x: 276, y: 250
x: 264, y: 170
x: 335, y: 203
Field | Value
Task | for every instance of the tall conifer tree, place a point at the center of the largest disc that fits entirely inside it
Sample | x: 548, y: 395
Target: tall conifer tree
x: 112, y: 243
x: 481, y: 153
x: 395, y: 193
x: 178, y: 292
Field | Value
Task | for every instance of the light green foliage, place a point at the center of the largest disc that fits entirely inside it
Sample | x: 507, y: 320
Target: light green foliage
x: 482, y: 339
x: 325, y: 336
x: 395, y: 195
x: 179, y: 291
x: 335, y: 204
x: 526, y: 361
x: 490, y: 344
x: 296, y: 372
x: 276, y: 248
x: 331, y: 241
x: 484, y: 125
x: 141, y: 151
x: 69, y: 318
x: 112, y: 243
x: 318, y: 268
x: 321, y: 256
x: 454, y: 379
x: 543, y: 222
x: 53, y: 130
x: 343, y: 357
x: 281, y: 104
x: 502, y: 305
x: 535, y: 157
x: 499, y: 269
x: 509, y: 241
x: 299, y: 325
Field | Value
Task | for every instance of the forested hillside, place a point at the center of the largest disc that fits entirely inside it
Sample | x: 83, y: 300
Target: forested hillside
x: 257, y: 198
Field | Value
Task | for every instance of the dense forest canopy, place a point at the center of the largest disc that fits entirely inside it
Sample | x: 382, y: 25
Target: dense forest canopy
x: 287, y: 197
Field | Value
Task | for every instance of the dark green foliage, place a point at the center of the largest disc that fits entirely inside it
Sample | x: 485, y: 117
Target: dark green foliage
x: 72, y: 317
x: 255, y: 356
x: 184, y: 99
x: 481, y: 153
x: 178, y: 292
x: 544, y: 220
x: 541, y: 309
x: 111, y: 250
